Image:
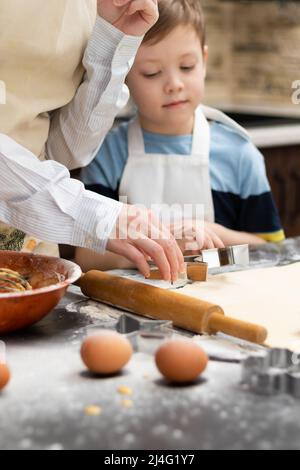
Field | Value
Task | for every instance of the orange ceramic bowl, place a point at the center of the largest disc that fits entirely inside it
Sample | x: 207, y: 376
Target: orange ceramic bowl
x: 20, y: 310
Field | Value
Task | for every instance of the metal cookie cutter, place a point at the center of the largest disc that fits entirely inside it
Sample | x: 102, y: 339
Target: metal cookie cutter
x: 218, y: 257
x: 271, y: 373
x: 144, y: 335
x: 198, y: 265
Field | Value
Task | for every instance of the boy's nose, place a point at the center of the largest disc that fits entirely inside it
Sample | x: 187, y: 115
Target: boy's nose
x: 173, y: 84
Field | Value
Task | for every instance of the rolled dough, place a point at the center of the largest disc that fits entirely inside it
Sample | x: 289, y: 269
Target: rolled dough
x: 268, y: 297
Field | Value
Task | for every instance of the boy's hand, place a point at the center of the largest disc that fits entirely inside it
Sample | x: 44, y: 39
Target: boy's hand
x: 139, y: 236
x: 194, y: 235
x: 132, y: 17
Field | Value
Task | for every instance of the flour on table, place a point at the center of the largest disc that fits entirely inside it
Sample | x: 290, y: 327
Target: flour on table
x: 94, y: 310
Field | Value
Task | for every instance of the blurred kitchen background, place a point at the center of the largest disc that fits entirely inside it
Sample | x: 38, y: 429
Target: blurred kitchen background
x: 254, y: 60
x: 254, y: 55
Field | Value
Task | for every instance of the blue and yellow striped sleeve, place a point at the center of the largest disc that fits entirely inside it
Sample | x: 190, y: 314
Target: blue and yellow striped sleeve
x: 242, y: 195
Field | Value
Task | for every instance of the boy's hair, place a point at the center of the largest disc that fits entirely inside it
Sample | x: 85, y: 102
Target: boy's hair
x: 173, y: 13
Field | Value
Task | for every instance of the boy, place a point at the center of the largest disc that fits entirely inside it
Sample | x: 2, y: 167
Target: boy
x: 176, y: 151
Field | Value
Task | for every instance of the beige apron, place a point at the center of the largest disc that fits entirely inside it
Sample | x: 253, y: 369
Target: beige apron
x: 41, y: 49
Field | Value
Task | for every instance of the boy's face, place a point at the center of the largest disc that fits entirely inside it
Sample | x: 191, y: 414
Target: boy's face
x: 167, y: 82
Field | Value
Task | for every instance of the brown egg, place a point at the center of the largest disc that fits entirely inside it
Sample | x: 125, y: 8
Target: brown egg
x: 4, y: 375
x: 106, y: 352
x: 181, y: 360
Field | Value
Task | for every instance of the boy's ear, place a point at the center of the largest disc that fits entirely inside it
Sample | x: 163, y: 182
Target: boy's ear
x: 205, y: 57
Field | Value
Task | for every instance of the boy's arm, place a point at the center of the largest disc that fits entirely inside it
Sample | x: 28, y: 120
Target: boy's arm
x: 88, y: 260
x: 78, y: 129
x: 233, y: 237
x: 258, y: 214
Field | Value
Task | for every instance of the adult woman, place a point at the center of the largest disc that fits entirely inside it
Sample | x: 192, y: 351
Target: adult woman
x: 59, y: 108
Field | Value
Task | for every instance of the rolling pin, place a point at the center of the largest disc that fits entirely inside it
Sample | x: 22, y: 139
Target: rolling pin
x: 184, y: 311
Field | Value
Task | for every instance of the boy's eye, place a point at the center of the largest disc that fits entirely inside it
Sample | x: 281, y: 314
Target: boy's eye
x: 187, y: 68
x: 151, y: 75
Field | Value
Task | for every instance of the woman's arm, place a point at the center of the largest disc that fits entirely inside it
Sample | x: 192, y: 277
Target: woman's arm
x: 78, y: 129
x: 40, y: 198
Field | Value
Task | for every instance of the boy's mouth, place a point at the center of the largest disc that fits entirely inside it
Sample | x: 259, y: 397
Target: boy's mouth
x: 175, y: 104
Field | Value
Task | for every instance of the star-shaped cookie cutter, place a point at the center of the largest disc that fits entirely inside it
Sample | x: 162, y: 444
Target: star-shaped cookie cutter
x: 273, y: 372
x: 144, y: 334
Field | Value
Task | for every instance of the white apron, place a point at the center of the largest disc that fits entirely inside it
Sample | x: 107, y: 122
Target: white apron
x: 173, y: 180
x: 41, y: 47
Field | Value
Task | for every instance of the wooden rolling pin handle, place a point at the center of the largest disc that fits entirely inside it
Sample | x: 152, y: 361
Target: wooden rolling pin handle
x: 239, y: 329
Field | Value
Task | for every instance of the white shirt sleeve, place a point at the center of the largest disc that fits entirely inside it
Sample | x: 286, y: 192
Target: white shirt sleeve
x: 78, y: 130
x: 39, y: 198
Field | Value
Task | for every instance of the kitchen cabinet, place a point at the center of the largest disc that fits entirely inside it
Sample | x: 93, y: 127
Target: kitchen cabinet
x: 278, y: 139
x: 283, y: 169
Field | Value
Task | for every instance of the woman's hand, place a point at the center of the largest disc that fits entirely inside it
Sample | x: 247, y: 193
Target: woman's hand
x: 132, y: 17
x: 139, y: 236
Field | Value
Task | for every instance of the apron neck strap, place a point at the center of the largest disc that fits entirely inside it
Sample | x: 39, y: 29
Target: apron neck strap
x: 136, y: 143
x: 201, y: 136
x: 218, y: 116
